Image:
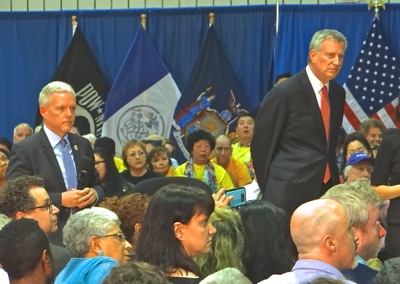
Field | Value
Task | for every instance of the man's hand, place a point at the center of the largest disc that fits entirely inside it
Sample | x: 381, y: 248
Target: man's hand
x: 79, y: 198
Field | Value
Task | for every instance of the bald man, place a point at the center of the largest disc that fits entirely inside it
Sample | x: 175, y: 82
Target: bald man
x: 324, y: 237
x: 236, y: 169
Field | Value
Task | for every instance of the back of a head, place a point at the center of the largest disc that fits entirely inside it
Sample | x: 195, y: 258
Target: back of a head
x: 22, y: 243
x: 268, y: 247
x: 226, y: 276
x: 157, y: 242
x: 311, y: 221
x: 106, y: 143
x: 136, y: 273
x: 227, y: 246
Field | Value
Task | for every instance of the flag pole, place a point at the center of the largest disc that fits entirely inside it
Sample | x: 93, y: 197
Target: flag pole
x: 376, y: 4
x: 74, y: 24
x: 143, y: 20
x: 211, y: 19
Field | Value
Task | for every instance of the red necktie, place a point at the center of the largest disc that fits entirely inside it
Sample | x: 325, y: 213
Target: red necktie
x: 325, y: 112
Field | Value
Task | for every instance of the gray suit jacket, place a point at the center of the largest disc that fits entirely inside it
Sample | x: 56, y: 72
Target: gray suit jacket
x: 289, y: 147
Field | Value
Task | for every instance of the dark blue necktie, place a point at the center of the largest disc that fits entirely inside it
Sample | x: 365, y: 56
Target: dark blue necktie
x: 71, y: 178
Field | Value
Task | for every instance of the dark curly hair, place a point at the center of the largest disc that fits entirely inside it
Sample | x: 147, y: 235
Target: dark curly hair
x: 130, y: 210
x: 15, y: 195
x: 198, y: 135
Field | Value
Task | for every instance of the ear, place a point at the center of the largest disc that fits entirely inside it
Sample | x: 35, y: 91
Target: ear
x: 19, y: 215
x: 137, y: 228
x: 94, y: 245
x: 329, y: 243
x: 179, y: 230
x: 43, y: 110
x: 312, y: 55
x: 47, y: 259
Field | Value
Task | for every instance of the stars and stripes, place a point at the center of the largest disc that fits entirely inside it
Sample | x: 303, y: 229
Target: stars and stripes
x: 373, y: 86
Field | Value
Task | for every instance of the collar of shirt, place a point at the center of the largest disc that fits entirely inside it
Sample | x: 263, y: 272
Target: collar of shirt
x: 53, y: 138
x: 316, y: 84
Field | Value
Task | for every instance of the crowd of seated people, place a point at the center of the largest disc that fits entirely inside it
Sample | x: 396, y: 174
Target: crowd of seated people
x: 184, y: 234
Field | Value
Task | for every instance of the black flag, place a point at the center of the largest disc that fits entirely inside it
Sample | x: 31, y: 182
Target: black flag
x: 79, y: 69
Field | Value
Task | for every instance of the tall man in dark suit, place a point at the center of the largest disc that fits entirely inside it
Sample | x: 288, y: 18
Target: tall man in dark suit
x: 42, y: 154
x: 293, y: 149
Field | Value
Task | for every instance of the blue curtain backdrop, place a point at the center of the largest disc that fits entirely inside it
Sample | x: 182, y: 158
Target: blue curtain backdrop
x: 33, y: 43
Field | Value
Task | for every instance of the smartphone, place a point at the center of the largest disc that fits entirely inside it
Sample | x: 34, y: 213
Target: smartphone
x: 240, y: 196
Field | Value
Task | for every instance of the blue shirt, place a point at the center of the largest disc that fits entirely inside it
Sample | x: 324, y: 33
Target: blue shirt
x: 86, y: 270
x: 305, y: 271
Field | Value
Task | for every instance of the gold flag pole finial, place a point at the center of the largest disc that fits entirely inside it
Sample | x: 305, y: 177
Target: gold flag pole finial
x: 376, y: 4
x: 143, y: 20
x: 74, y: 22
x: 211, y: 18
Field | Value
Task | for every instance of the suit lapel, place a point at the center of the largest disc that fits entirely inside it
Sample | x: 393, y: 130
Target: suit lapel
x: 51, y: 157
x: 312, y: 103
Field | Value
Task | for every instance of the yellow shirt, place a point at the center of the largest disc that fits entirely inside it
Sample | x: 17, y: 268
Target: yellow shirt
x: 119, y: 163
x: 223, y: 179
x: 238, y: 172
x: 241, y: 153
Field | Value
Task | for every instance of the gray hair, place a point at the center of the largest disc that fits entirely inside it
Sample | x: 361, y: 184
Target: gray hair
x: 24, y: 125
x: 358, y: 198
x: 226, y: 276
x: 4, y: 219
x: 346, y: 172
x: 367, y: 124
x: 319, y: 37
x: 53, y: 87
x: 83, y: 225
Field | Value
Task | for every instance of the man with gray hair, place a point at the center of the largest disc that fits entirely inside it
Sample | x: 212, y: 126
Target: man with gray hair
x: 297, y: 128
x: 58, y: 156
x: 22, y: 131
x: 362, y: 205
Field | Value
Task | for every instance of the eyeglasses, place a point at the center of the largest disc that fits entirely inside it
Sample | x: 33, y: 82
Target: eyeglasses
x: 45, y: 207
x: 98, y: 162
x: 120, y: 236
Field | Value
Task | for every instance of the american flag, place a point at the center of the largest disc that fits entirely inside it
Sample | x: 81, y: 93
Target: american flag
x: 373, y: 86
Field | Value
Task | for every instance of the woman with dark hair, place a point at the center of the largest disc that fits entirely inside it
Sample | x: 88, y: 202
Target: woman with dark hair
x: 134, y: 156
x: 200, y: 144
x: 160, y: 161
x: 110, y: 178
x: 355, y: 142
x: 175, y: 229
x: 268, y: 247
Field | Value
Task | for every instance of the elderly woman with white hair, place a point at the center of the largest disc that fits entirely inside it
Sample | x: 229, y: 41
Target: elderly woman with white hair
x: 96, y: 242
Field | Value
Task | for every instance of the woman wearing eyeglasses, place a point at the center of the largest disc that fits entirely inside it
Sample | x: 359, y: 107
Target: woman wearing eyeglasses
x: 96, y: 242
x: 134, y: 156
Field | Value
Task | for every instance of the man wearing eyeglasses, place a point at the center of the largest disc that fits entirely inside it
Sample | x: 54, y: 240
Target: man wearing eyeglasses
x: 26, y: 197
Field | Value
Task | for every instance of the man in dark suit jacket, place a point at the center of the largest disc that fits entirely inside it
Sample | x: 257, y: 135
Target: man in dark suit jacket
x: 290, y: 149
x: 40, y: 155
